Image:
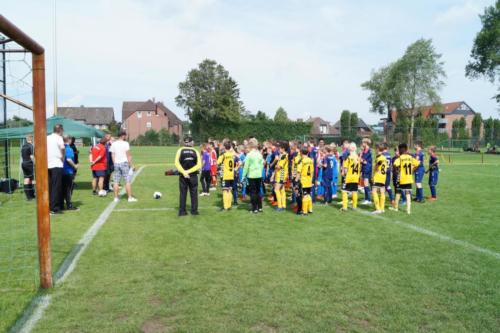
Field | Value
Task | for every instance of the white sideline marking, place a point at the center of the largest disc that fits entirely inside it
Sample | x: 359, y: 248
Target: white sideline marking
x: 35, y: 311
x: 154, y: 209
x: 437, y: 235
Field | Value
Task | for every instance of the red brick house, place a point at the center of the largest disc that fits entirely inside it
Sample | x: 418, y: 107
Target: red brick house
x: 445, y: 116
x: 139, y: 117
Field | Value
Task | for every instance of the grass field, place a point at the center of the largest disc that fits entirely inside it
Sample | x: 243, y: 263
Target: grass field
x: 149, y: 271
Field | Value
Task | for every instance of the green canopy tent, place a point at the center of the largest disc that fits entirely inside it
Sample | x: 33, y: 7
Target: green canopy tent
x: 71, y: 127
x: 17, y: 136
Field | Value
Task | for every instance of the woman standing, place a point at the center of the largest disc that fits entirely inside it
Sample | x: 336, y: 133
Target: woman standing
x: 254, y: 164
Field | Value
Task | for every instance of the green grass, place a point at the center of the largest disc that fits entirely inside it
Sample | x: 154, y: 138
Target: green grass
x: 276, y: 272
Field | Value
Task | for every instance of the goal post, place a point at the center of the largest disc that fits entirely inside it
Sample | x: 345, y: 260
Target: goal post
x: 14, y: 34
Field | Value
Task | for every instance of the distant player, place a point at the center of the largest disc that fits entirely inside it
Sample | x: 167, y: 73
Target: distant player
x: 405, y: 165
x: 388, y: 158
x: 329, y: 167
x: 305, y: 176
x: 379, y: 180
x: 419, y: 172
x: 28, y: 167
x: 281, y: 176
x: 228, y: 166
x: 351, y: 171
x: 296, y: 189
x: 366, y: 168
x: 433, y: 172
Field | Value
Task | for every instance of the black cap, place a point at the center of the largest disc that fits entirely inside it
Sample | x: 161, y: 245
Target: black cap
x: 188, y: 139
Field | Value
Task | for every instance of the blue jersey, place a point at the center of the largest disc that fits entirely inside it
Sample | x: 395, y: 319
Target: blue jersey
x: 367, y: 166
x: 68, y: 154
x: 420, y: 157
x: 433, y: 168
x: 330, y: 166
x: 344, y: 156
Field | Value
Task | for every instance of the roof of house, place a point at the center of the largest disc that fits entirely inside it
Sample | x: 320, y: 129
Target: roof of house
x: 128, y: 108
x: 89, y: 115
x: 447, y: 108
x: 172, y: 117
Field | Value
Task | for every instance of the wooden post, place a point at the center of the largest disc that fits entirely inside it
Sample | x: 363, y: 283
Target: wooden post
x: 41, y: 171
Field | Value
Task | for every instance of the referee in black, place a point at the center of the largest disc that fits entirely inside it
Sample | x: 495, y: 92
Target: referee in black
x: 27, y: 155
x: 188, y: 163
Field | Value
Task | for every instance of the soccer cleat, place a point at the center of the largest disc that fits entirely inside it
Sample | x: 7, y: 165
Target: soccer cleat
x: 393, y: 209
x: 132, y: 199
x: 116, y: 199
x: 376, y: 212
x: 195, y: 213
x: 343, y: 210
x: 366, y: 202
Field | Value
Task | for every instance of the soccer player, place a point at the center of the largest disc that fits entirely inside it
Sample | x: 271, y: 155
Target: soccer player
x: 305, y: 176
x: 98, y: 165
x: 27, y: 165
x: 433, y: 172
x: 351, y: 171
x: 405, y: 165
x: 228, y: 166
x: 388, y: 157
x: 281, y: 176
x: 296, y: 191
x: 342, y: 157
x: 69, y: 168
x: 419, y: 172
x: 213, y: 169
x: 206, y: 168
x: 253, y: 171
x: 366, y: 168
x: 379, y: 180
x: 329, y: 167
x: 243, y: 154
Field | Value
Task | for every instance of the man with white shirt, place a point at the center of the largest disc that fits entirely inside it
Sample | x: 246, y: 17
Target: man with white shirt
x: 55, y: 158
x: 122, y: 160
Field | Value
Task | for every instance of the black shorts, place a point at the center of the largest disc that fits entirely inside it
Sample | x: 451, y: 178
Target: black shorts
x: 227, y: 184
x: 306, y: 190
x: 379, y: 185
x: 404, y: 188
x: 28, y: 170
x: 350, y: 187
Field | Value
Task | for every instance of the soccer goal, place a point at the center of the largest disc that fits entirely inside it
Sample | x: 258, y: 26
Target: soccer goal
x: 15, y: 41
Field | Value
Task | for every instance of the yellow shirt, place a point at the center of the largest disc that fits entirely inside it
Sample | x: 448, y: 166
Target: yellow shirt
x: 295, y: 164
x: 306, y: 171
x: 228, y: 165
x: 353, y: 170
x: 282, y: 168
x: 379, y: 176
x: 406, y: 165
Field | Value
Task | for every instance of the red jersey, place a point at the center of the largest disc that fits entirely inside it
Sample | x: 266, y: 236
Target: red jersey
x: 99, y: 151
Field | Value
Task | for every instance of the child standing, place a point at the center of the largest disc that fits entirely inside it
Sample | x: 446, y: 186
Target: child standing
x: 379, y: 180
x: 419, y: 172
x: 366, y: 169
x: 433, y: 172
x: 351, y: 170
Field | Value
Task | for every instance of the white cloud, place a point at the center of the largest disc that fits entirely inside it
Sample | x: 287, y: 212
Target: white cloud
x: 458, y: 14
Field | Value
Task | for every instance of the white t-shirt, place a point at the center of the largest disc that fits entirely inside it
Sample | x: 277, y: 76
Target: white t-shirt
x: 120, y: 149
x: 55, y: 143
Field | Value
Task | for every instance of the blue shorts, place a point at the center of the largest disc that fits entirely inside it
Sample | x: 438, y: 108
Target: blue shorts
x: 98, y: 173
x: 419, y: 175
x: 433, y: 178
x: 366, y: 174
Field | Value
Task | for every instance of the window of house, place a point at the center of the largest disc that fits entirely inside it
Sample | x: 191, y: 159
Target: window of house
x: 149, y: 114
x: 148, y: 124
x: 322, y: 129
x: 139, y: 114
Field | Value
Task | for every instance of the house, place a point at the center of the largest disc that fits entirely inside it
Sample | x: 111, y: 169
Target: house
x: 446, y: 115
x: 363, y: 130
x: 321, y: 127
x: 138, y: 117
x: 99, y: 117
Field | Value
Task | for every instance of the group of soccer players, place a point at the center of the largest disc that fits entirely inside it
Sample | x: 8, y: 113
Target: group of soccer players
x: 312, y: 172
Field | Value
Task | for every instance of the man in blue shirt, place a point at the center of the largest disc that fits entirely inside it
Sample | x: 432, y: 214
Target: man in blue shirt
x: 366, y: 168
x: 69, y: 168
x: 329, y: 167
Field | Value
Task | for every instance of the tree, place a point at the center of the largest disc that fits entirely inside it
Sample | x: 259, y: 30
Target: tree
x: 211, y: 99
x: 383, y: 97
x: 489, y: 129
x: 417, y: 79
x: 353, y: 124
x: 477, y: 122
x: 18, y: 122
x: 281, y: 116
x: 114, y: 127
x: 164, y: 137
x: 345, y: 124
x: 261, y: 116
x: 485, y: 54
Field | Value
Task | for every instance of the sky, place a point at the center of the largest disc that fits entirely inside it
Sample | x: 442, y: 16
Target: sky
x: 309, y: 57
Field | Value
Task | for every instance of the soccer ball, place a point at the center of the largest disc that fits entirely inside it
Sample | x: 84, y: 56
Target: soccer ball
x: 102, y: 193
x: 157, y: 195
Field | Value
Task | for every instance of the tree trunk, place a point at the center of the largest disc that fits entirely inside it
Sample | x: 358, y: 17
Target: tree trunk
x: 412, y: 125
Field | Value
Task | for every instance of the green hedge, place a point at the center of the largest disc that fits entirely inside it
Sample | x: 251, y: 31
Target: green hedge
x: 263, y: 130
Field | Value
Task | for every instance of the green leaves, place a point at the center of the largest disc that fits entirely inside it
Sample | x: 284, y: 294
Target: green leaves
x: 281, y: 116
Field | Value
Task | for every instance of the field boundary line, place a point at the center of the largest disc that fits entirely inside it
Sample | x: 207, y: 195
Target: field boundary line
x: 159, y: 209
x: 39, y: 304
x: 434, y: 234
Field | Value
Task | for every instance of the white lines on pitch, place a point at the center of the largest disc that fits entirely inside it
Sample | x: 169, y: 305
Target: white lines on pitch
x: 431, y: 233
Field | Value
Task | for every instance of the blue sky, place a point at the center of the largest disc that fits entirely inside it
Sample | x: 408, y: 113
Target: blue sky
x: 308, y: 56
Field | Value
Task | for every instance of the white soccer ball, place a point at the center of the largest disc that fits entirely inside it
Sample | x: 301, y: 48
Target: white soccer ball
x: 102, y: 193
x: 157, y: 195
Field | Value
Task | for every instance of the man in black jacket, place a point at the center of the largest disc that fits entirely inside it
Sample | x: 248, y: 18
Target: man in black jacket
x: 188, y: 163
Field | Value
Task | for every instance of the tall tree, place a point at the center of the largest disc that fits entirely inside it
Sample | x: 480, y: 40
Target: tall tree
x: 353, y: 124
x: 485, y: 54
x: 281, y: 116
x: 345, y: 124
x: 418, y: 78
x: 211, y: 99
x: 261, y: 116
x: 477, y: 122
x: 489, y: 129
x: 383, y: 95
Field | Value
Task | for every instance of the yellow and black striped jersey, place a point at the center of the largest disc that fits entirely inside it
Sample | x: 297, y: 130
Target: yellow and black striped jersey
x: 406, y: 164
x: 228, y: 165
x: 282, y: 168
x: 352, y: 170
x: 306, y: 171
x: 380, y: 169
